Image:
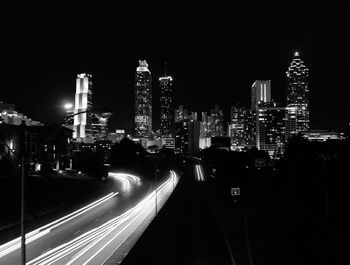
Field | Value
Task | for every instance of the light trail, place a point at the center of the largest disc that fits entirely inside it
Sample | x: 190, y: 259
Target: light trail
x: 125, y: 179
x: 199, y: 173
x: 90, y: 244
x: 37, y: 233
x: 15, y: 244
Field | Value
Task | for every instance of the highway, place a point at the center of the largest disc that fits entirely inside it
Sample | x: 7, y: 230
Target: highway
x: 103, y: 230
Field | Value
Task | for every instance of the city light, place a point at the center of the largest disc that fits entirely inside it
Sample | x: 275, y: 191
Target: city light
x: 68, y: 106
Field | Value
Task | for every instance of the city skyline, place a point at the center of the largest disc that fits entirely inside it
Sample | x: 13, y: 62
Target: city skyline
x: 49, y: 62
x: 117, y: 121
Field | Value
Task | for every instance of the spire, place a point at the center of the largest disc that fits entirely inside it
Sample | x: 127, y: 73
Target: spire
x: 164, y: 69
x: 296, y: 54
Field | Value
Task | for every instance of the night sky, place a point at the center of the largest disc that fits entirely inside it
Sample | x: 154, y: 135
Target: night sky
x: 213, y: 51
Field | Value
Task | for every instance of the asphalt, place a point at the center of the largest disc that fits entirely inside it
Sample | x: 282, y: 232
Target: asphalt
x: 84, y: 223
x: 203, y: 224
x: 190, y: 229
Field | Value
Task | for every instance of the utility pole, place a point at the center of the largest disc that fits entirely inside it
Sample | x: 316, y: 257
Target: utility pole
x: 156, y: 170
x: 23, y: 233
x: 23, y: 152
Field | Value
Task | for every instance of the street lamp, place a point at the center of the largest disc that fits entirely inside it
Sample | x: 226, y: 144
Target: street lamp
x: 156, y: 180
x: 23, y: 162
x: 68, y: 106
x: 22, y: 156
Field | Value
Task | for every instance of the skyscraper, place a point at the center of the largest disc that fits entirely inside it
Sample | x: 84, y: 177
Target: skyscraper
x: 143, y: 100
x: 236, y: 127
x: 261, y: 92
x: 298, y: 92
x: 187, y: 137
x: 270, y: 128
x: 249, y: 128
x: 83, y: 106
x: 166, y: 106
x: 217, y: 126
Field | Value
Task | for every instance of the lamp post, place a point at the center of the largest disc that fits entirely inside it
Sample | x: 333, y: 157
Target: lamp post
x: 22, y: 156
x: 156, y: 180
x: 23, y: 233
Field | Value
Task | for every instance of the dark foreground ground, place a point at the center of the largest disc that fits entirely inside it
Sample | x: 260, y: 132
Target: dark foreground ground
x: 201, y: 224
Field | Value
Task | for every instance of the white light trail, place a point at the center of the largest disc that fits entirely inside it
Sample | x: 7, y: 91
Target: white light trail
x: 199, y: 173
x: 30, y: 237
x: 91, y: 243
x: 125, y: 179
x: 14, y: 244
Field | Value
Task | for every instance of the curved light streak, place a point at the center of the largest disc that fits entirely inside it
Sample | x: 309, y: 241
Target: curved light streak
x: 35, y: 234
x: 199, y: 172
x: 91, y: 243
x: 15, y: 244
x: 125, y: 179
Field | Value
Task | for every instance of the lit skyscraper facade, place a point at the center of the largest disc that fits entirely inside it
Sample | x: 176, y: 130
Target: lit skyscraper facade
x: 236, y: 127
x: 83, y: 104
x: 143, y: 100
x: 167, y: 111
x: 217, y: 125
x: 183, y: 114
x: 298, y: 92
x: 261, y: 92
x: 187, y: 137
x: 179, y: 113
x: 270, y: 128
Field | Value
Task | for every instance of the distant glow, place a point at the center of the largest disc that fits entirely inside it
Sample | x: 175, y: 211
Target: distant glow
x: 68, y: 106
x: 37, y: 167
x: 166, y: 78
x: 125, y: 179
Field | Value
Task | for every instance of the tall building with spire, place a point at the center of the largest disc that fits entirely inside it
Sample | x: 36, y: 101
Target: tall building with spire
x: 298, y: 92
x: 83, y: 106
x: 167, y: 110
x: 143, y: 100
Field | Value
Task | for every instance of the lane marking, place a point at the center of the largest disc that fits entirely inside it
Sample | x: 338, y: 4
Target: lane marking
x: 45, y: 251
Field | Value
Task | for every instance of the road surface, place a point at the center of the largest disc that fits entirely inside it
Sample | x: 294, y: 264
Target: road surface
x: 98, y: 232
